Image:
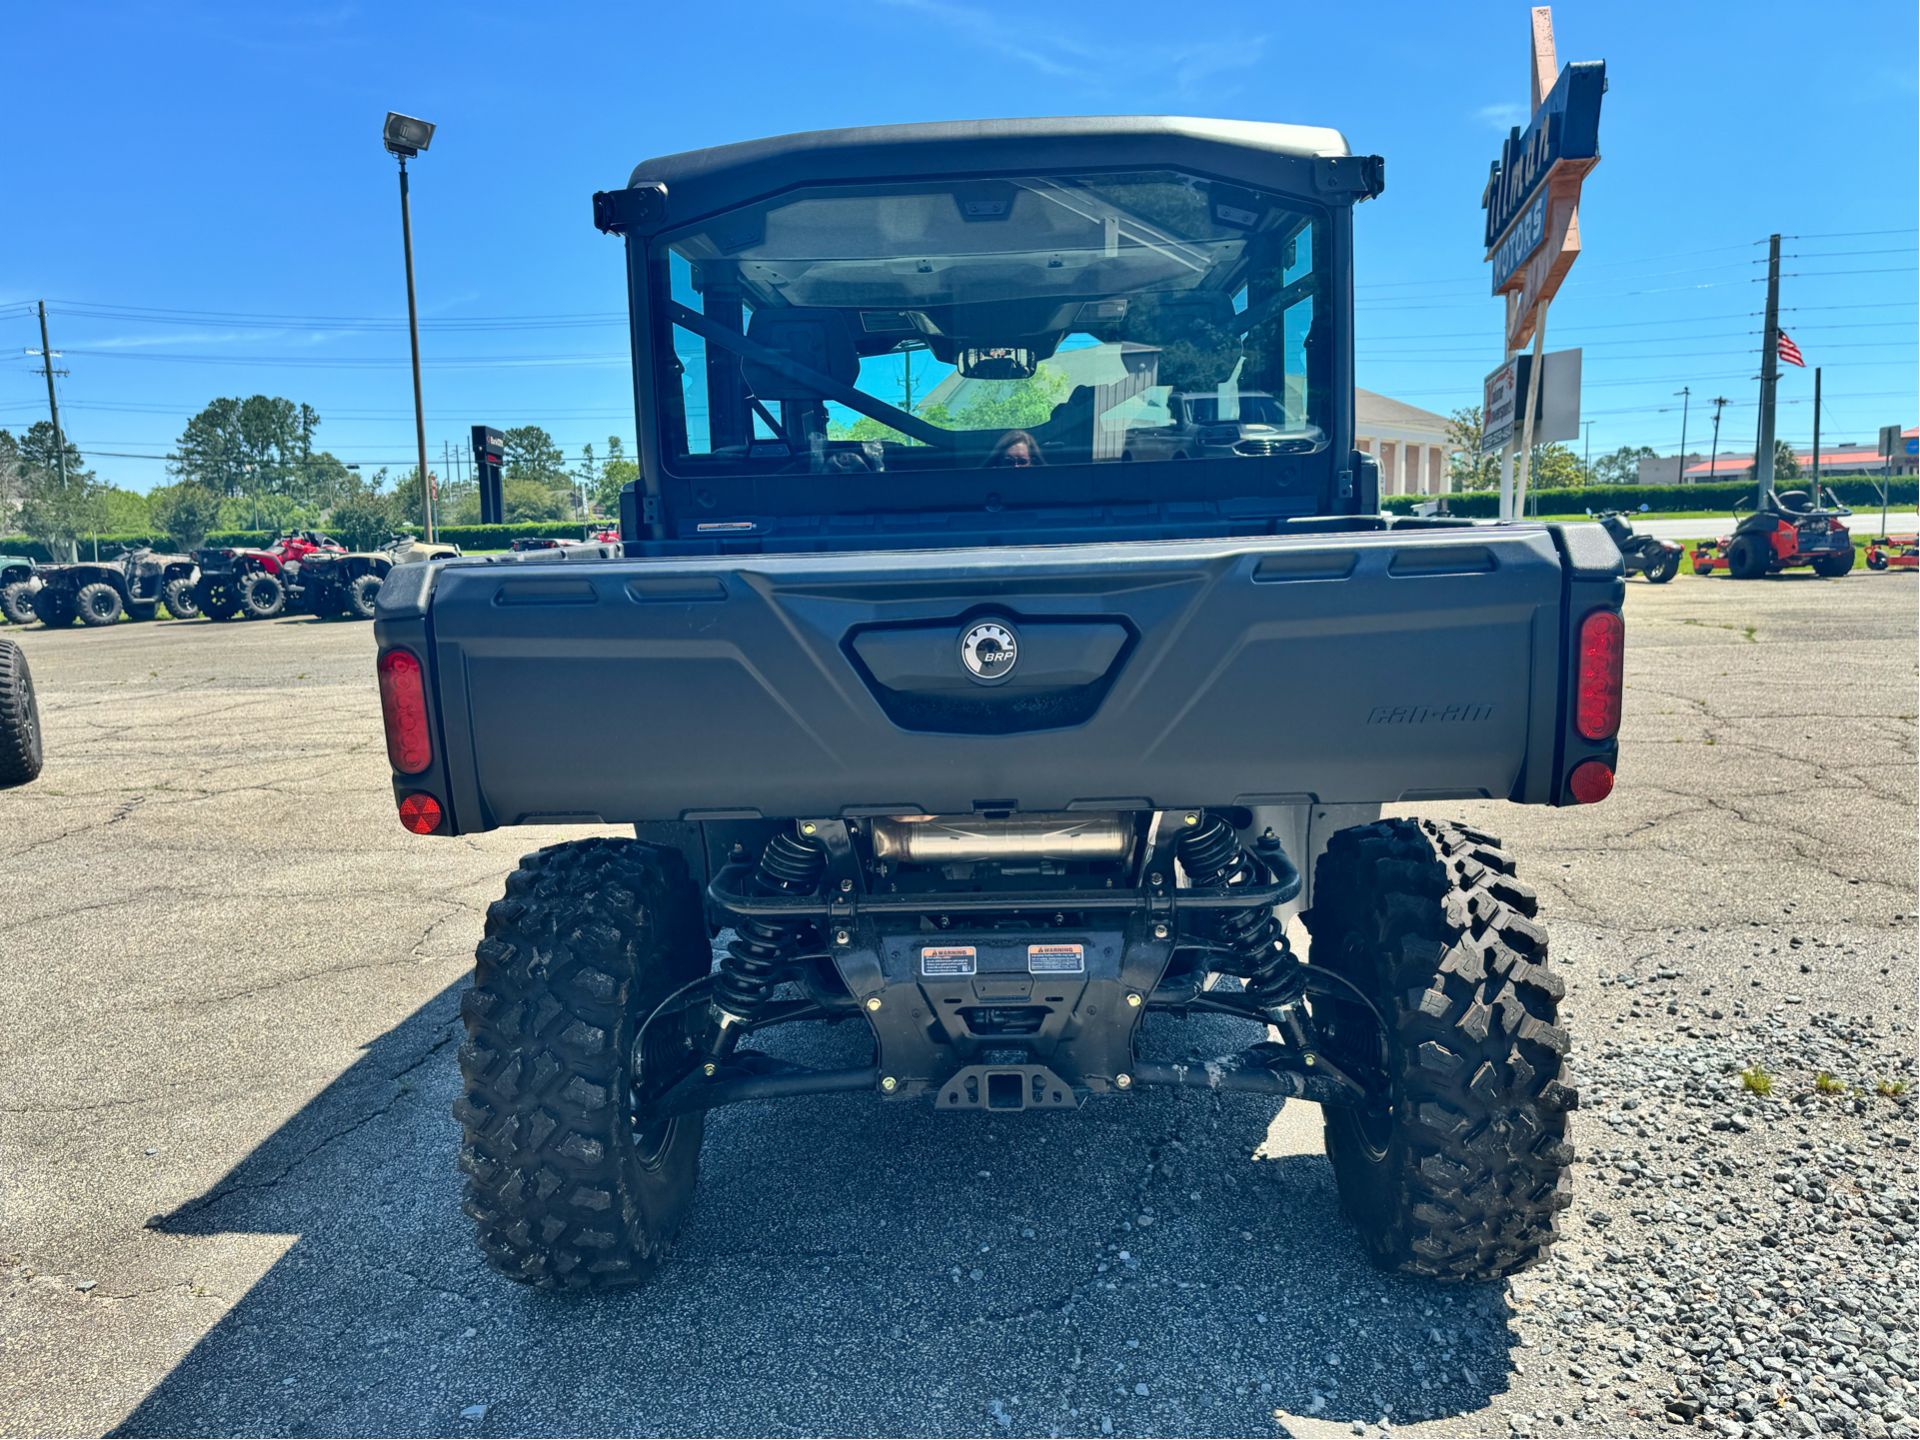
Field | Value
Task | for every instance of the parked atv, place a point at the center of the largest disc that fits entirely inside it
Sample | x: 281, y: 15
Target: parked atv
x: 1893, y: 552
x: 248, y: 584
x: 21, y: 746
x: 998, y: 765
x: 347, y: 584
x: 16, y: 589
x: 1658, y: 560
x: 1784, y: 531
x: 134, y: 583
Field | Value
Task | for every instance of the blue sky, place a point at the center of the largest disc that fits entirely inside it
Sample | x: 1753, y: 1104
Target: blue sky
x: 221, y: 163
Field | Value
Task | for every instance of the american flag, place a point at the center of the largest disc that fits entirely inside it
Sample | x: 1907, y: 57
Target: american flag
x: 1790, y: 352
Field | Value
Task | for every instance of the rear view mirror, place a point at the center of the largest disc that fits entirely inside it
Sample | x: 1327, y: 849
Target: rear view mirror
x: 998, y: 363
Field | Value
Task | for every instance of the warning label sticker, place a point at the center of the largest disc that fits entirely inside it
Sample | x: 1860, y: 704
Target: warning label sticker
x: 947, y: 960
x: 1056, y: 959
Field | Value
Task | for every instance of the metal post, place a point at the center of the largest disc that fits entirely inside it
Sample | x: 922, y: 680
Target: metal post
x: 1719, y: 404
x: 1816, y: 437
x: 1769, y: 377
x: 1536, y: 389
x: 1680, y: 470
x: 1586, y: 460
x: 413, y: 334
x: 53, y: 410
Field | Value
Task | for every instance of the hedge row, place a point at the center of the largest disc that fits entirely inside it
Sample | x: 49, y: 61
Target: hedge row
x: 1479, y: 504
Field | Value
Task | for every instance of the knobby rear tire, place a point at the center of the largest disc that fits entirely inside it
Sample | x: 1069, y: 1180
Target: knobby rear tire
x: 566, y: 1191
x: 1463, y: 1175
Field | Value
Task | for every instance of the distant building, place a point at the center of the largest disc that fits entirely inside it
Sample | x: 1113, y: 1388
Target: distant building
x: 1843, y: 459
x: 1411, y: 444
x: 1665, y: 469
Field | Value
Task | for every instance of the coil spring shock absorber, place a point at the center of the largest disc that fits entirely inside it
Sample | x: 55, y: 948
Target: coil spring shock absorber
x: 758, y: 955
x: 1213, y: 857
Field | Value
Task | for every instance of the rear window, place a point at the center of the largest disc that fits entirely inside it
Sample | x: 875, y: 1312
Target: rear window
x: 1007, y: 323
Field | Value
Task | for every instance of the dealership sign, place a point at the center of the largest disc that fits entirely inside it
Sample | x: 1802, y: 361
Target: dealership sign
x: 1507, y: 395
x: 1519, y: 242
x: 1565, y: 127
x: 1532, y: 196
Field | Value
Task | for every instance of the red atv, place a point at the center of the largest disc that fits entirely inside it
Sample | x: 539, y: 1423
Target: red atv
x: 1786, y: 530
x: 257, y: 584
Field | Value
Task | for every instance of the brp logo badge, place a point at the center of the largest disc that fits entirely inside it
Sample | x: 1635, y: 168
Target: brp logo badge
x: 990, y: 650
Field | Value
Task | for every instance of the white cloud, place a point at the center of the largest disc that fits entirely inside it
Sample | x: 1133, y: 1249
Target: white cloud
x: 1502, y: 116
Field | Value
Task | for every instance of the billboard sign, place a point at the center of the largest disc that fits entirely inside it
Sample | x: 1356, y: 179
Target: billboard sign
x: 1506, y: 392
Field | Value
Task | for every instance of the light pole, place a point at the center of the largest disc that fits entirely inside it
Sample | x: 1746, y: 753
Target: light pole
x: 1719, y: 404
x: 404, y: 137
x: 1685, y: 392
x: 1586, y: 460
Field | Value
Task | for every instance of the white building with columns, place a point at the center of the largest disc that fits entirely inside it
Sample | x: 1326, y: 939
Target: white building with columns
x: 1411, y: 444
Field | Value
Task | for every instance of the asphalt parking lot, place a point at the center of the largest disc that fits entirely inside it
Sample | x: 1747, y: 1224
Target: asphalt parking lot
x: 228, y: 1201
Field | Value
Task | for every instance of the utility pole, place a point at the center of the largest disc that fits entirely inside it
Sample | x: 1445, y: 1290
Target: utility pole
x: 47, y: 356
x: 1816, y: 437
x: 1769, y: 377
x: 1685, y: 392
x: 1719, y: 404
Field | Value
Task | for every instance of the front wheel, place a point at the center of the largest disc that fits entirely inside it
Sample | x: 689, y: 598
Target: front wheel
x: 1461, y: 1169
x: 1876, y: 560
x: 1664, y: 569
x: 261, y: 596
x: 98, y: 604
x: 361, y: 595
x: 569, y: 1184
x: 178, y: 596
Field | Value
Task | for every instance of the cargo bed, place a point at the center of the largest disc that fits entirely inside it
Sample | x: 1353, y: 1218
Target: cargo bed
x: 1347, y: 667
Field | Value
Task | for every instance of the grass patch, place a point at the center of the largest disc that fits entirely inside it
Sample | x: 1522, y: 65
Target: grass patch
x: 1891, y: 1088
x: 1756, y: 1079
x: 1829, y: 1084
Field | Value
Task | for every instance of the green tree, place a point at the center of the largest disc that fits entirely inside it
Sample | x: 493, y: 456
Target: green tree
x: 56, y: 508
x: 1622, y: 466
x: 124, y: 512
x: 615, y: 475
x: 1469, y: 469
x: 241, y: 447
x: 1786, y: 464
x: 12, y: 479
x: 532, y: 455
x: 987, y: 405
x: 528, y: 500
x: 184, y: 513
x: 1554, y: 467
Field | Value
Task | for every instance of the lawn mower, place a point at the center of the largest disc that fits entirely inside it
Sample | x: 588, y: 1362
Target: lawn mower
x: 1893, y: 552
x: 1785, y: 530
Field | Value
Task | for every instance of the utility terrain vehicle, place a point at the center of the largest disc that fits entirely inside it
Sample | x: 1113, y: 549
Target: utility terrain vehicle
x: 345, y: 584
x: 16, y: 589
x: 1784, y: 530
x: 996, y: 759
x: 133, y: 583
x: 1658, y: 560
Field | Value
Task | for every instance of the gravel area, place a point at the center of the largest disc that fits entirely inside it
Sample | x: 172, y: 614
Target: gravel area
x: 228, y: 1203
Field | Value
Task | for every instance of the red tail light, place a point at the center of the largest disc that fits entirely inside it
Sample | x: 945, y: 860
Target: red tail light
x: 420, y: 813
x: 1590, y: 783
x: 403, y: 704
x: 1603, y: 646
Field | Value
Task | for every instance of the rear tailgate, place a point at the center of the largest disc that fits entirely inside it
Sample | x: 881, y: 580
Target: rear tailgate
x: 1341, y: 668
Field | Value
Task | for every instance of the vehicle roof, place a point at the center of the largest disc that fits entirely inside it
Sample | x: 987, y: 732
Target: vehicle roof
x: 1295, y: 141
